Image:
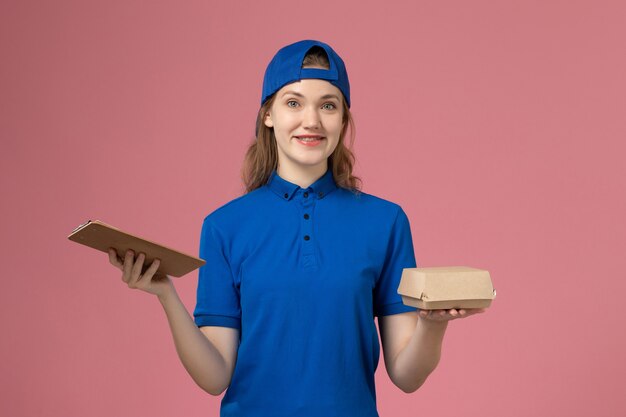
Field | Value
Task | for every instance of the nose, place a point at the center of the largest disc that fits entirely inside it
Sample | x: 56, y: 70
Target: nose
x: 311, y: 118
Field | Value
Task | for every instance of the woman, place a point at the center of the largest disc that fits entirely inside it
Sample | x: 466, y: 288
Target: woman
x: 298, y: 267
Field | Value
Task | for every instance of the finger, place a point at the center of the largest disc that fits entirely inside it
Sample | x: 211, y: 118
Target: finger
x: 114, y: 259
x: 136, y: 271
x: 453, y: 312
x: 128, y: 265
x: 147, y: 276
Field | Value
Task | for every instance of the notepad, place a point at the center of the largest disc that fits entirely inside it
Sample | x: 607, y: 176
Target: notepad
x: 101, y: 236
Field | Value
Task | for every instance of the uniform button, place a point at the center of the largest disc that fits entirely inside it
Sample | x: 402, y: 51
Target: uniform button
x: 306, y: 195
x: 320, y: 194
x: 306, y: 216
x: 306, y: 237
x: 286, y: 195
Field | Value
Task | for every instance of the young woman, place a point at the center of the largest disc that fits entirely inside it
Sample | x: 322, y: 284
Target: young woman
x: 300, y: 265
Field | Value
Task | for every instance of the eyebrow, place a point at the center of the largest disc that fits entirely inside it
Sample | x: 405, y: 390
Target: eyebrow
x: 324, y: 97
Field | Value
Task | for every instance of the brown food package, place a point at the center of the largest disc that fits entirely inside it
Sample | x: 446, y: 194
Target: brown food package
x: 446, y: 287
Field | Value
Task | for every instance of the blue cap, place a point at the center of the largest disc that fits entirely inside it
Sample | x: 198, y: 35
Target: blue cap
x: 286, y: 67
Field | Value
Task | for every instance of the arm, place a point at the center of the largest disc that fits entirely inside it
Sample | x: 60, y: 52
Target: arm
x: 412, y: 344
x: 208, y: 354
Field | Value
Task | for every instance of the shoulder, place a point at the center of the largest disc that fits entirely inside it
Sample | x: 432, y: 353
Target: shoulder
x: 232, y: 212
x: 373, y: 204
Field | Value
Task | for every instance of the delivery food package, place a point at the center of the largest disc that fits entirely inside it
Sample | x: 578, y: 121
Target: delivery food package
x: 446, y: 287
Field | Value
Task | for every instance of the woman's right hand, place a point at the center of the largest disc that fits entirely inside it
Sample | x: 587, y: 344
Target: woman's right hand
x: 131, y: 273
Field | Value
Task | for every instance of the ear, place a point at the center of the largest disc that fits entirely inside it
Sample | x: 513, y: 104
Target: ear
x: 268, y: 120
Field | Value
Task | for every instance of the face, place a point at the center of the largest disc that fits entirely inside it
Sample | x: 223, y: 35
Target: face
x: 307, y: 120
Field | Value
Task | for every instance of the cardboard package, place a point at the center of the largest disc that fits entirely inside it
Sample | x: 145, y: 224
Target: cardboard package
x: 446, y: 287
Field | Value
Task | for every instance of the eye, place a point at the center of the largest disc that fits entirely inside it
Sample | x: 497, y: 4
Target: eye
x: 292, y: 103
x: 329, y: 106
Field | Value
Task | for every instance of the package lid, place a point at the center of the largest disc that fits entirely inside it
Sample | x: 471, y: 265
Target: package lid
x: 446, y: 283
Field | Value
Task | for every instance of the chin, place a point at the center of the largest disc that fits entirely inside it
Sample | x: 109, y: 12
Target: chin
x: 309, y: 163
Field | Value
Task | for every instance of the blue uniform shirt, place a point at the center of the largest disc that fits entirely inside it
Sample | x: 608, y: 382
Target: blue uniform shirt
x: 302, y: 273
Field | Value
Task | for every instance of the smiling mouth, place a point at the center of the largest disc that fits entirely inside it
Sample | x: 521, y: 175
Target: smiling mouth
x: 309, y: 138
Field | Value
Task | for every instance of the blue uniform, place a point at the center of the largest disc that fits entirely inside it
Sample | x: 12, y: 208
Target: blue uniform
x: 302, y: 273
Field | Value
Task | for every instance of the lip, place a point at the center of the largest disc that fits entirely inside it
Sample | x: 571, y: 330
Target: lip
x: 317, y: 139
x: 309, y: 136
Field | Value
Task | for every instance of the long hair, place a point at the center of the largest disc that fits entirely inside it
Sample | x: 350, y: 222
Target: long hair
x: 262, y: 155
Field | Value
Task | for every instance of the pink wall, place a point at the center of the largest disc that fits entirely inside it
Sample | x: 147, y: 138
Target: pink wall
x: 498, y: 126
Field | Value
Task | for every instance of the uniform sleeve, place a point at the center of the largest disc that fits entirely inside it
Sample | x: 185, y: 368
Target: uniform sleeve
x: 399, y: 255
x: 217, y: 302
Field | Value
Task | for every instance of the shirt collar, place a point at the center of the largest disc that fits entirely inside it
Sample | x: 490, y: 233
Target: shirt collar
x: 285, y: 189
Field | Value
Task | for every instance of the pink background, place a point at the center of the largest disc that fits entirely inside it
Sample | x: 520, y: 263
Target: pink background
x: 497, y: 125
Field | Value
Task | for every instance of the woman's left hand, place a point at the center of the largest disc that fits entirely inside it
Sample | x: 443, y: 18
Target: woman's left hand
x: 448, y: 315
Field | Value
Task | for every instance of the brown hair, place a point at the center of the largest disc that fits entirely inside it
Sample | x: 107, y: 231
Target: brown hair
x: 262, y: 156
